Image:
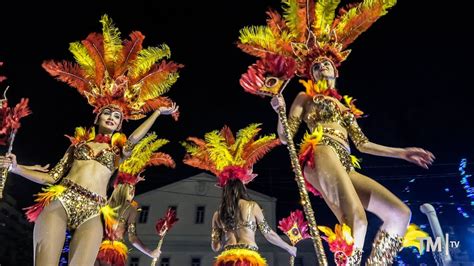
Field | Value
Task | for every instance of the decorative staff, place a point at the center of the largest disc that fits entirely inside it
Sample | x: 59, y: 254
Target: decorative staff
x: 9, y: 125
x: 163, y: 225
x: 296, y: 228
x: 269, y: 77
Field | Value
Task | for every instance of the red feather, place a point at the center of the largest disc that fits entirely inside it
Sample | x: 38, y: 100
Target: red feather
x: 161, y: 158
x: 255, y: 152
x: 158, y: 73
x: 228, y: 135
x: 67, y: 72
x: 275, y: 22
x: 200, y: 162
x: 358, y: 24
x: 94, y: 43
x: 130, y: 51
x: 254, y: 50
x: 166, y: 223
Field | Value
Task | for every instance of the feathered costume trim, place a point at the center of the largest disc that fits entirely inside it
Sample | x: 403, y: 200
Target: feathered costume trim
x: 123, y: 75
x: 240, y: 257
x: 306, y: 155
x: 341, y: 242
x: 49, y: 194
x: 312, y: 30
x: 228, y: 157
x: 143, y: 155
x: 113, y: 253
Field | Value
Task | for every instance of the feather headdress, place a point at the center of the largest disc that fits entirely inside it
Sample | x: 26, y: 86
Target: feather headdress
x: 312, y: 30
x: 123, y: 75
x: 143, y: 155
x: 229, y: 157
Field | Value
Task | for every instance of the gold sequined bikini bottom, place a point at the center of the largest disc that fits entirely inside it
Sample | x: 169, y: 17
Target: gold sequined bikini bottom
x: 341, y: 151
x: 306, y: 154
x: 80, y: 203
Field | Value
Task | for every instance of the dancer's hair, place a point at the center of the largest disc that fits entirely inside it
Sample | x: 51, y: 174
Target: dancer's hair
x: 229, y: 213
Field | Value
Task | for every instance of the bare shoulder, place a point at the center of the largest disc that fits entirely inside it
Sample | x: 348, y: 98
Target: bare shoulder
x: 302, y: 97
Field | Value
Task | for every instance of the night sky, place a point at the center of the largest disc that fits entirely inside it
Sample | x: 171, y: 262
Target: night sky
x: 410, y: 73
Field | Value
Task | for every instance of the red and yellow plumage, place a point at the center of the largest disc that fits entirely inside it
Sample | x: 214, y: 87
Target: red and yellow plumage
x: 113, y: 253
x: 240, y: 257
x: 225, y: 155
x: 110, y: 72
x: 143, y: 155
x: 311, y: 29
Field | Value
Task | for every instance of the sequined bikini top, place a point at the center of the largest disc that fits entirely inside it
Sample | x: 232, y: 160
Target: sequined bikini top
x: 323, y: 110
x: 247, y: 223
x: 107, y: 157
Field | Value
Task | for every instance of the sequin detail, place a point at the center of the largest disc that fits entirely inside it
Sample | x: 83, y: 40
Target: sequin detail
x: 384, y: 249
x: 107, y: 157
x: 80, y: 204
x: 264, y: 227
x: 341, y: 151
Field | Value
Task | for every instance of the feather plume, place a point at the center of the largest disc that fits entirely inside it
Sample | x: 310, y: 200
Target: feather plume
x: 112, y: 42
x: 158, y: 80
x: 357, y: 19
x: 147, y: 57
x: 259, y: 148
x: 218, y: 150
x: 161, y: 158
x: 151, y: 105
x: 129, y: 53
x: 245, y: 136
x: 94, y: 43
x: 141, y: 154
x: 85, y: 61
x: 67, y: 72
x: 295, y: 17
x: 228, y: 136
x: 275, y: 22
x: 324, y: 16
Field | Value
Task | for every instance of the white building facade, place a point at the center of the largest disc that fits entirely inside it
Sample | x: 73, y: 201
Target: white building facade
x: 188, y: 243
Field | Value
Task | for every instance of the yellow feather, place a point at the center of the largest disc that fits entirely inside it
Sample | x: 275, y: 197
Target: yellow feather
x: 355, y: 161
x: 147, y: 57
x: 260, y: 36
x: 218, y: 150
x: 324, y: 16
x: 190, y: 148
x: 291, y: 16
x: 83, y: 58
x: 112, y: 42
x: 141, y: 154
x: 154, y: 90
x: 411, y: 238
x: 244, y: 136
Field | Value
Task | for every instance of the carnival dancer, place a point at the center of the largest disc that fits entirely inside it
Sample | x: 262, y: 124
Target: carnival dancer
x: 113, y: 250
x: 235, y: 222
x: 310, y: 34
x: 122, y: 81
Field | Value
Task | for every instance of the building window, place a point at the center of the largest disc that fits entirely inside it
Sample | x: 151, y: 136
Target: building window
x: 143, y: 214
x: 174, y: 208
x: 200, y: 211
x: 134, y: 261
x: 299, y: 261
x: 165, y: 261
x: 196, y: 262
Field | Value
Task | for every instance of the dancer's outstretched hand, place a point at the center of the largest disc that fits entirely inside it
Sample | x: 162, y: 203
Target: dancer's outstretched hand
x: 418, y: 156
x: 169, y: 110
